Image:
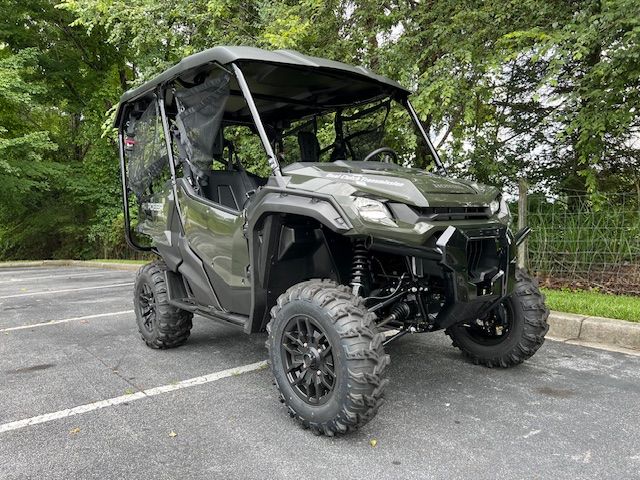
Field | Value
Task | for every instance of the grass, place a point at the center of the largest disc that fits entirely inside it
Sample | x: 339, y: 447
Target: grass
x: 622, y: 307
x: 115, y: 260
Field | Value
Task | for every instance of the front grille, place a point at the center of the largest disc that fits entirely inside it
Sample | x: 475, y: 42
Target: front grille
x: 482, y: 258
x: 453, y: 213
x: 474, y: 254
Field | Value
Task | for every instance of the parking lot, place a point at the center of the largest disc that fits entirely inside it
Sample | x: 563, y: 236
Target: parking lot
x: 209, y: 410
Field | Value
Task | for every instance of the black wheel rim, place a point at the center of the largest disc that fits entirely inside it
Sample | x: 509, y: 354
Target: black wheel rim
x: 147, y: 304
x: 308, y: 359
x: 494, y: 328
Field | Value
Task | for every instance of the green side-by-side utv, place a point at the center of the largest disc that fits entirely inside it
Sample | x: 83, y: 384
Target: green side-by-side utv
x: 303, y: 196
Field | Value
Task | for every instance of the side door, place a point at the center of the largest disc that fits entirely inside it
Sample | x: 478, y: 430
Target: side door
x: 212, y: 229
x: 215, y: 233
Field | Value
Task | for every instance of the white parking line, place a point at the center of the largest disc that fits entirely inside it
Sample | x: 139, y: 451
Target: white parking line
x: 49, y: 292
x: 192, y: 382
x: 60, y: 276
x: 5, y: 272
x: 65, y: 320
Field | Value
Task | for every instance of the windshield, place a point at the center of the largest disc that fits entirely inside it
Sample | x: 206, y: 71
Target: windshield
x: 380, y: 131
x: 312, y: 115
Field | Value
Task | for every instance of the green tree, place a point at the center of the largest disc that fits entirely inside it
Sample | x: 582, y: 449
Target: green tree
x: 548, y: 89
x: 57, y: 82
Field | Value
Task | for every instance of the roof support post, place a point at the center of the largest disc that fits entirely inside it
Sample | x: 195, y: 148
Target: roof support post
x: 434, y: 153
x: 273, y: 162
x: 172, y: 166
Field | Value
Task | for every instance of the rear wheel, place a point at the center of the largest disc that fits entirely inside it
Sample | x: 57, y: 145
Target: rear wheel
x: 511, y: 333
x: 326, y: 356
x: 160, y: 324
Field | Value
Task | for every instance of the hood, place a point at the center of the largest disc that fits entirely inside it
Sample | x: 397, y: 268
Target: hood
x: 390, y: 181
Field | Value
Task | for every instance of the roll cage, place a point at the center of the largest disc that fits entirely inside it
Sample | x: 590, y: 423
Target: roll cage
x: 254, y: 97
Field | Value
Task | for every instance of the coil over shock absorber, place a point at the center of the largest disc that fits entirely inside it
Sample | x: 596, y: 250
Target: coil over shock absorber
x: 359, y: 268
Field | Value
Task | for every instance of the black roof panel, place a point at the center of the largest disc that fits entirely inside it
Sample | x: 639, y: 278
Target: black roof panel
x: 225, y: 55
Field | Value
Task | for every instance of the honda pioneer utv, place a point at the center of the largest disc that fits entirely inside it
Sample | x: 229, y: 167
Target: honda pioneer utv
x: 302, y: 196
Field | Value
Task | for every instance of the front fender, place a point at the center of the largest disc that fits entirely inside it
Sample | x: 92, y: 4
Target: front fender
x: 322, y: 208
x: 272, y: 271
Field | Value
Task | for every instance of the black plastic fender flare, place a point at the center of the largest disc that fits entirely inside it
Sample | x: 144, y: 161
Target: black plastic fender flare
x: 274, y: 201
x: 322, y: 208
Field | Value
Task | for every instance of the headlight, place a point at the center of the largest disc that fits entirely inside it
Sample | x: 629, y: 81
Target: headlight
x: 494, y: 206
x: 373, y: 211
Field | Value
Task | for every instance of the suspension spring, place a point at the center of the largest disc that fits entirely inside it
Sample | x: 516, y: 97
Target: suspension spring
x: 360, y: 266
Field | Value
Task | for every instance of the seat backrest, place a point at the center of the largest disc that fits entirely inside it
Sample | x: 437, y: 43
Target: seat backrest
x: 230, y: 188
x: 309, y: 147
x: 222, y: 187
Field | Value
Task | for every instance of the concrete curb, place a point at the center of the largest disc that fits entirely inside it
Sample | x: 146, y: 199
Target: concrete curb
x: 604, y: 331
x: 70, y: 263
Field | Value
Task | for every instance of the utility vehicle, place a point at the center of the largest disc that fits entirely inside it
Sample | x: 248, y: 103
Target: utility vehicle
x: 302, y: 196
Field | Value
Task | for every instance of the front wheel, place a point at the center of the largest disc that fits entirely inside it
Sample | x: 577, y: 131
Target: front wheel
x: 511, y: 333
x: 326, y: 356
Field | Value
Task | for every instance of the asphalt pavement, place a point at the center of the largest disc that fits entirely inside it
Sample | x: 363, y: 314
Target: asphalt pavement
x: 81, y: 396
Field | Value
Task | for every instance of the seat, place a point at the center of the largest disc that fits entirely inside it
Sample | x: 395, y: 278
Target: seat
x: 230, y: 187
x: 254, y: 180
x: 309, y: 147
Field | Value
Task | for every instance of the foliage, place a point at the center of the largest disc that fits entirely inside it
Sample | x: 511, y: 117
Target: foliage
x: 547, y: 89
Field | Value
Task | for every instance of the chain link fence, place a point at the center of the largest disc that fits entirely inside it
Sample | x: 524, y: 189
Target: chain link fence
x: 586, y: 242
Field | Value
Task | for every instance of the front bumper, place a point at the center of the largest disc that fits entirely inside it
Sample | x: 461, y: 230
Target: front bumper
x: 478, y: 265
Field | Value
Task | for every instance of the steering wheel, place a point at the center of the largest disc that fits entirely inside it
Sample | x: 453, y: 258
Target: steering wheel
x: 381, y: 150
